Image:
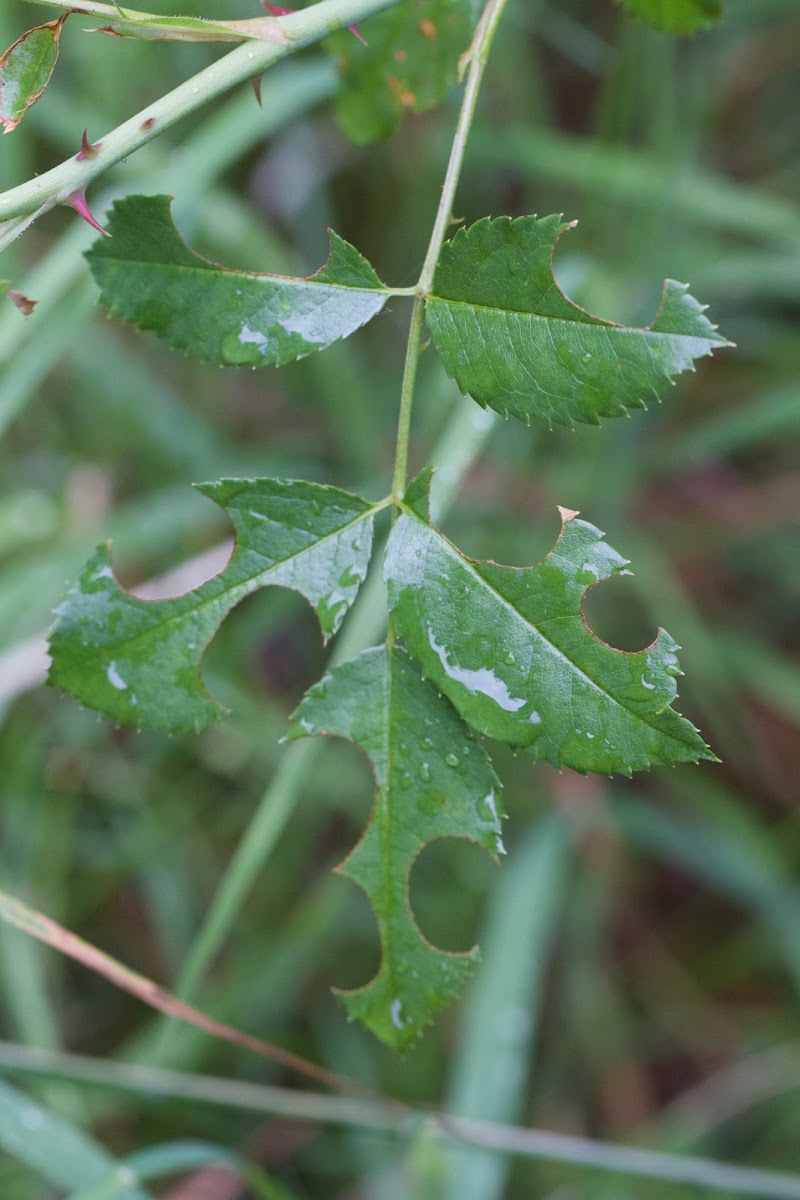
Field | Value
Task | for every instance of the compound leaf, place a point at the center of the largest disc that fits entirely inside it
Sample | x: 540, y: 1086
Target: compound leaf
x: 26, y: 69
x: 510, y: 648
x: 434, y: 780
x: 148, y: 275
x: 139, y: 661
x: 677, y: 16
x: 408, y: 65
x: 513, y: 341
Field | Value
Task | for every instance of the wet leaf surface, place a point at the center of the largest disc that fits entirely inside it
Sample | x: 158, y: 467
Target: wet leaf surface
x: 139, y: 661
x: 513, y: 341
x: 149, y: 276
x: 433, y: 780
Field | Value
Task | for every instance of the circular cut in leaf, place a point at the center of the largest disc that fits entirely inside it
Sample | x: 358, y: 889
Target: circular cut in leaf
x: 139, y: 660
x: 433, y: 780
x: 148, y: 275
x: 513, y: 341
x: 510, y: 648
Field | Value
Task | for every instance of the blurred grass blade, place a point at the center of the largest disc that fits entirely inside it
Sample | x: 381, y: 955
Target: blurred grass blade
x: 766, y: 415
x: 154, y: 1162
x: 37, y: 925
x: 767, y: 674
x: 632, y: 177
x: 721, y: 858
x: 56, y: 1150
x: 374, y: 1114
x: 501, y: 1010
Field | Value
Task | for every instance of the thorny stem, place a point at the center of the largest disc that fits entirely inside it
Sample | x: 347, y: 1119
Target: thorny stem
x: 474, y: 61
x: 292, y: 33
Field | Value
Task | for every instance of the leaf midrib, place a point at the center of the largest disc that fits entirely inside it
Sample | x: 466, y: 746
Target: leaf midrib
x: 292, y: 281
x: 644, y: 331
x: 468, y: 563
x: 244, y: 589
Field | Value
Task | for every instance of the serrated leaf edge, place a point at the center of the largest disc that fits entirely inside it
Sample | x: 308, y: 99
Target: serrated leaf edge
x: 222, y: 711
x: 567, y: 515
x: 470, y: 956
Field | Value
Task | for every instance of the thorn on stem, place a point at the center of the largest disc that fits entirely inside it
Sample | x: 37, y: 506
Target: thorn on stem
x: 88, y: 149
x: 255, y: 84
x: 77, y: 201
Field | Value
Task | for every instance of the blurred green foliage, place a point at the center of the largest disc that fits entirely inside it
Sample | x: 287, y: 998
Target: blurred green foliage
x: 646, y: 931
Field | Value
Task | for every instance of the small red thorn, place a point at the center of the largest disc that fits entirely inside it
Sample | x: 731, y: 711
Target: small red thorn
x: 88, y: 149
x: 255, y: 84
x: 78, y: 201
x: 276, y: 11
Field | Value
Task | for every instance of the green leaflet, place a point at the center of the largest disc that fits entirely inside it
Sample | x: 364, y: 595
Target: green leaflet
x: 148, y: 275
x: 513, y: 341
x: 433, y: 780
x: 676, y: 16
x: 139, y: 661
x: 408, y: 65
x: 25, y: 71
x: 511, y: 650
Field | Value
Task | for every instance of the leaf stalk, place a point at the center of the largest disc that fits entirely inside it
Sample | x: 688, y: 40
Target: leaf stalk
x: 474, y: 63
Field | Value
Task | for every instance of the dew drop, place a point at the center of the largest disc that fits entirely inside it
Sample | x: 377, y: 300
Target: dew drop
x: 425, y: 773
x: 451, y: 760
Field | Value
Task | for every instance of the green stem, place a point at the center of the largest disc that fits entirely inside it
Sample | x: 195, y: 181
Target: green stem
x: 536, y: 1144
x: 475, y: 61
x: 294, y: 32
x: 407, y: 399
x: 150, y: 27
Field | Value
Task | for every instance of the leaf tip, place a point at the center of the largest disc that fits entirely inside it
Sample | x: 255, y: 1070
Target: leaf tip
x: 568, y: 514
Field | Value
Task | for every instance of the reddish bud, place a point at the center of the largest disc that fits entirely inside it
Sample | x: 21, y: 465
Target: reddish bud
x: 88, y: 149
x: 24, y: 305
x: 77, y: 201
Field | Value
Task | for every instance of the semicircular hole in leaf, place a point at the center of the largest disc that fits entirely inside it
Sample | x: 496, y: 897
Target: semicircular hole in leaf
x: 447, y: 888
x: 513, y: 341
x: 149, y: 276
x: 510, y: 648
x: 616, y: 615
x: 139, y: 660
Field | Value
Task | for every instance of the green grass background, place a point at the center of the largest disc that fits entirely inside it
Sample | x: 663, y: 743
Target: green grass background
x: 642, y: 942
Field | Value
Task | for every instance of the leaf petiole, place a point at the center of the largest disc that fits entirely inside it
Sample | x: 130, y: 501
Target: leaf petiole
x: 476, y: 57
